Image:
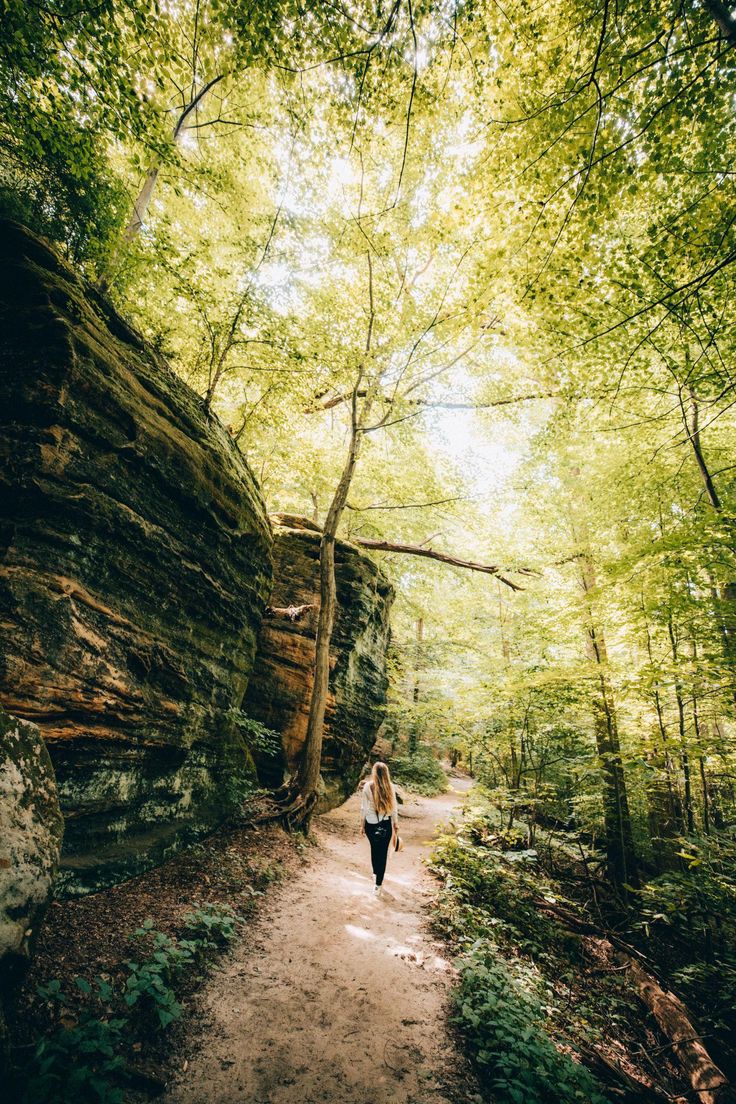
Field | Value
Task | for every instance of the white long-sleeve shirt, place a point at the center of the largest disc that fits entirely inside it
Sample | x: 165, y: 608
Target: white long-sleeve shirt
x: 368, y: 809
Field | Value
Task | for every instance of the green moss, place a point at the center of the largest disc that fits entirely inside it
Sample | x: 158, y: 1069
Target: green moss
x: 136, y: 562
x: 31, y: 830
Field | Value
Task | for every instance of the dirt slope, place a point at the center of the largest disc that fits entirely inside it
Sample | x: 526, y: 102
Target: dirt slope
x: 343, y: 998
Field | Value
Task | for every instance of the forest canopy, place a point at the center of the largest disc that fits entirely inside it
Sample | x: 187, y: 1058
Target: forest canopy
x: 499, y: 240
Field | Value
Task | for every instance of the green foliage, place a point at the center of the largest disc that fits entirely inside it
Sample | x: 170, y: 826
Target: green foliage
x: 485, y: 891
x: 696, y: 907
x: 82, y: 1060
x: 691, y: 914
x: 527, y: 257
x: 502, y: 1017
x: 211, y: 926
x: 421, y: 772
x: 710, y: 989
x: 78, y: 1064
x: 513, y: 957
x: 151, y: 982
x: 258, y: 737
x: 148, y: 987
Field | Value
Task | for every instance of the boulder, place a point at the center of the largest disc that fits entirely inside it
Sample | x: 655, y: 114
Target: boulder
x: 135, y: 563
x: 280, y: 686
x: 31, y: 829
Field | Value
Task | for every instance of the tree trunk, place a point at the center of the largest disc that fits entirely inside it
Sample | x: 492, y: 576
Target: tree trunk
x: 709, y: 1084
x: 620, y: 853
x: 724, y: 598
x: 681, y: 728
x: 143, y: 199
x: 723, y: 17
x: 308, y: 774
x: 417, y: 661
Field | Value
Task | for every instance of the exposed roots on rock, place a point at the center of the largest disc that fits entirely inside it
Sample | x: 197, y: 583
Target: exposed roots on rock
x: 286, y: 804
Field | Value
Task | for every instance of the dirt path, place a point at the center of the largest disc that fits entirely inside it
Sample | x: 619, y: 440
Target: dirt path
x: 343, y: 999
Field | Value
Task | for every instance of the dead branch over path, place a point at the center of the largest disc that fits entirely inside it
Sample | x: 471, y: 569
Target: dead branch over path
x: 442, y: 557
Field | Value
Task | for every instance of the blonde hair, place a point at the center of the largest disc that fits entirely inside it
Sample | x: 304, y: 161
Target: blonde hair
x: 382, y: 791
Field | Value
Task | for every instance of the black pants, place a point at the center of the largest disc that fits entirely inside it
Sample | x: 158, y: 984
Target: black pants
x: 379, y: 837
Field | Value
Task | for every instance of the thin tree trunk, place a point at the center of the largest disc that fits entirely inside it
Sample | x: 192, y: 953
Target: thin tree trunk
x: 302, y: 794
x: 724, y: 598
x: 308, y: 774
x: 420, y: 638
x: 674, y: 797
x: 684, y: 755
x: 620, y: 853
x: 692, y: 426
x: 143, y: 199
x: 723, y: 17
x: 663, y: 802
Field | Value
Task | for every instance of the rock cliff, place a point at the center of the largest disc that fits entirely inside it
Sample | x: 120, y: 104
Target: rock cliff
x: 31, y: 829
x: 280, y: 686
x: 135, y: 561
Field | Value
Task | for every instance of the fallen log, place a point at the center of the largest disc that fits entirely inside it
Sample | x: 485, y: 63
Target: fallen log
x: 708, y: 1083
x: 622, y: 1082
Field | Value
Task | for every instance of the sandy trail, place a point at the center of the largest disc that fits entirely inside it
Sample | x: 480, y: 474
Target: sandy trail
x: 344, y: 998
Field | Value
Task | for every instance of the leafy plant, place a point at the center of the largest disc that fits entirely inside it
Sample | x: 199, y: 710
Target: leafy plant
x: 80, y: 1061
x: 420, y: 772
x: 258, y: 737
x: 502, y: 1018
x: 484, y: 892
x: 212, y: 926
x: 150, y: 982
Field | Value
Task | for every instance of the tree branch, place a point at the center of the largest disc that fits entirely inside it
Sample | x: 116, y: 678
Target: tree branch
x: 442, y: 557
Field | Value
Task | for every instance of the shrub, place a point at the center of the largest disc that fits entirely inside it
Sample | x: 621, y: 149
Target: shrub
x: 420, y: 772
x: 211, y: 926
x: 485, y: 893
x: 502, y: 1018
x: 78, y: 1062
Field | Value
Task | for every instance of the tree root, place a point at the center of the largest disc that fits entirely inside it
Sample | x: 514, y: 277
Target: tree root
x: 287, y: 805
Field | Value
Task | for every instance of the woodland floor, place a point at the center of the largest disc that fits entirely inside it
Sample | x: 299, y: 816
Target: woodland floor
x: 335, y: 997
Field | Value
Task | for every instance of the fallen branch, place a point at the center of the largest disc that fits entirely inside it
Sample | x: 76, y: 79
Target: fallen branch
x: 323, y: 402
x: 710, y: 1085
x: 610, y: 1071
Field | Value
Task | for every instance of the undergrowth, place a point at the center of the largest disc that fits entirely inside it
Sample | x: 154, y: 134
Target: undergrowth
x: 502, y: 1015
x: 82, y: 1058
x: 519, y: 1004
x: 419, y: 772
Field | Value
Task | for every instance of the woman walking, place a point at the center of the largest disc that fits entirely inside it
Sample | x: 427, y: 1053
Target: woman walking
x: 379, y: 814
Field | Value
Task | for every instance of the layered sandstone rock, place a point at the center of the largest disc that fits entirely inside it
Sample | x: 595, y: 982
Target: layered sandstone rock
x: 280, y: 687
x: 31, y: 829
x: 135, y: 562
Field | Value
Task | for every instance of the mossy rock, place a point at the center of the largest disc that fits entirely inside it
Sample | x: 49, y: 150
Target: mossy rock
x: 279, y: 690
x: 31, y: 831
x: 135, y: 564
